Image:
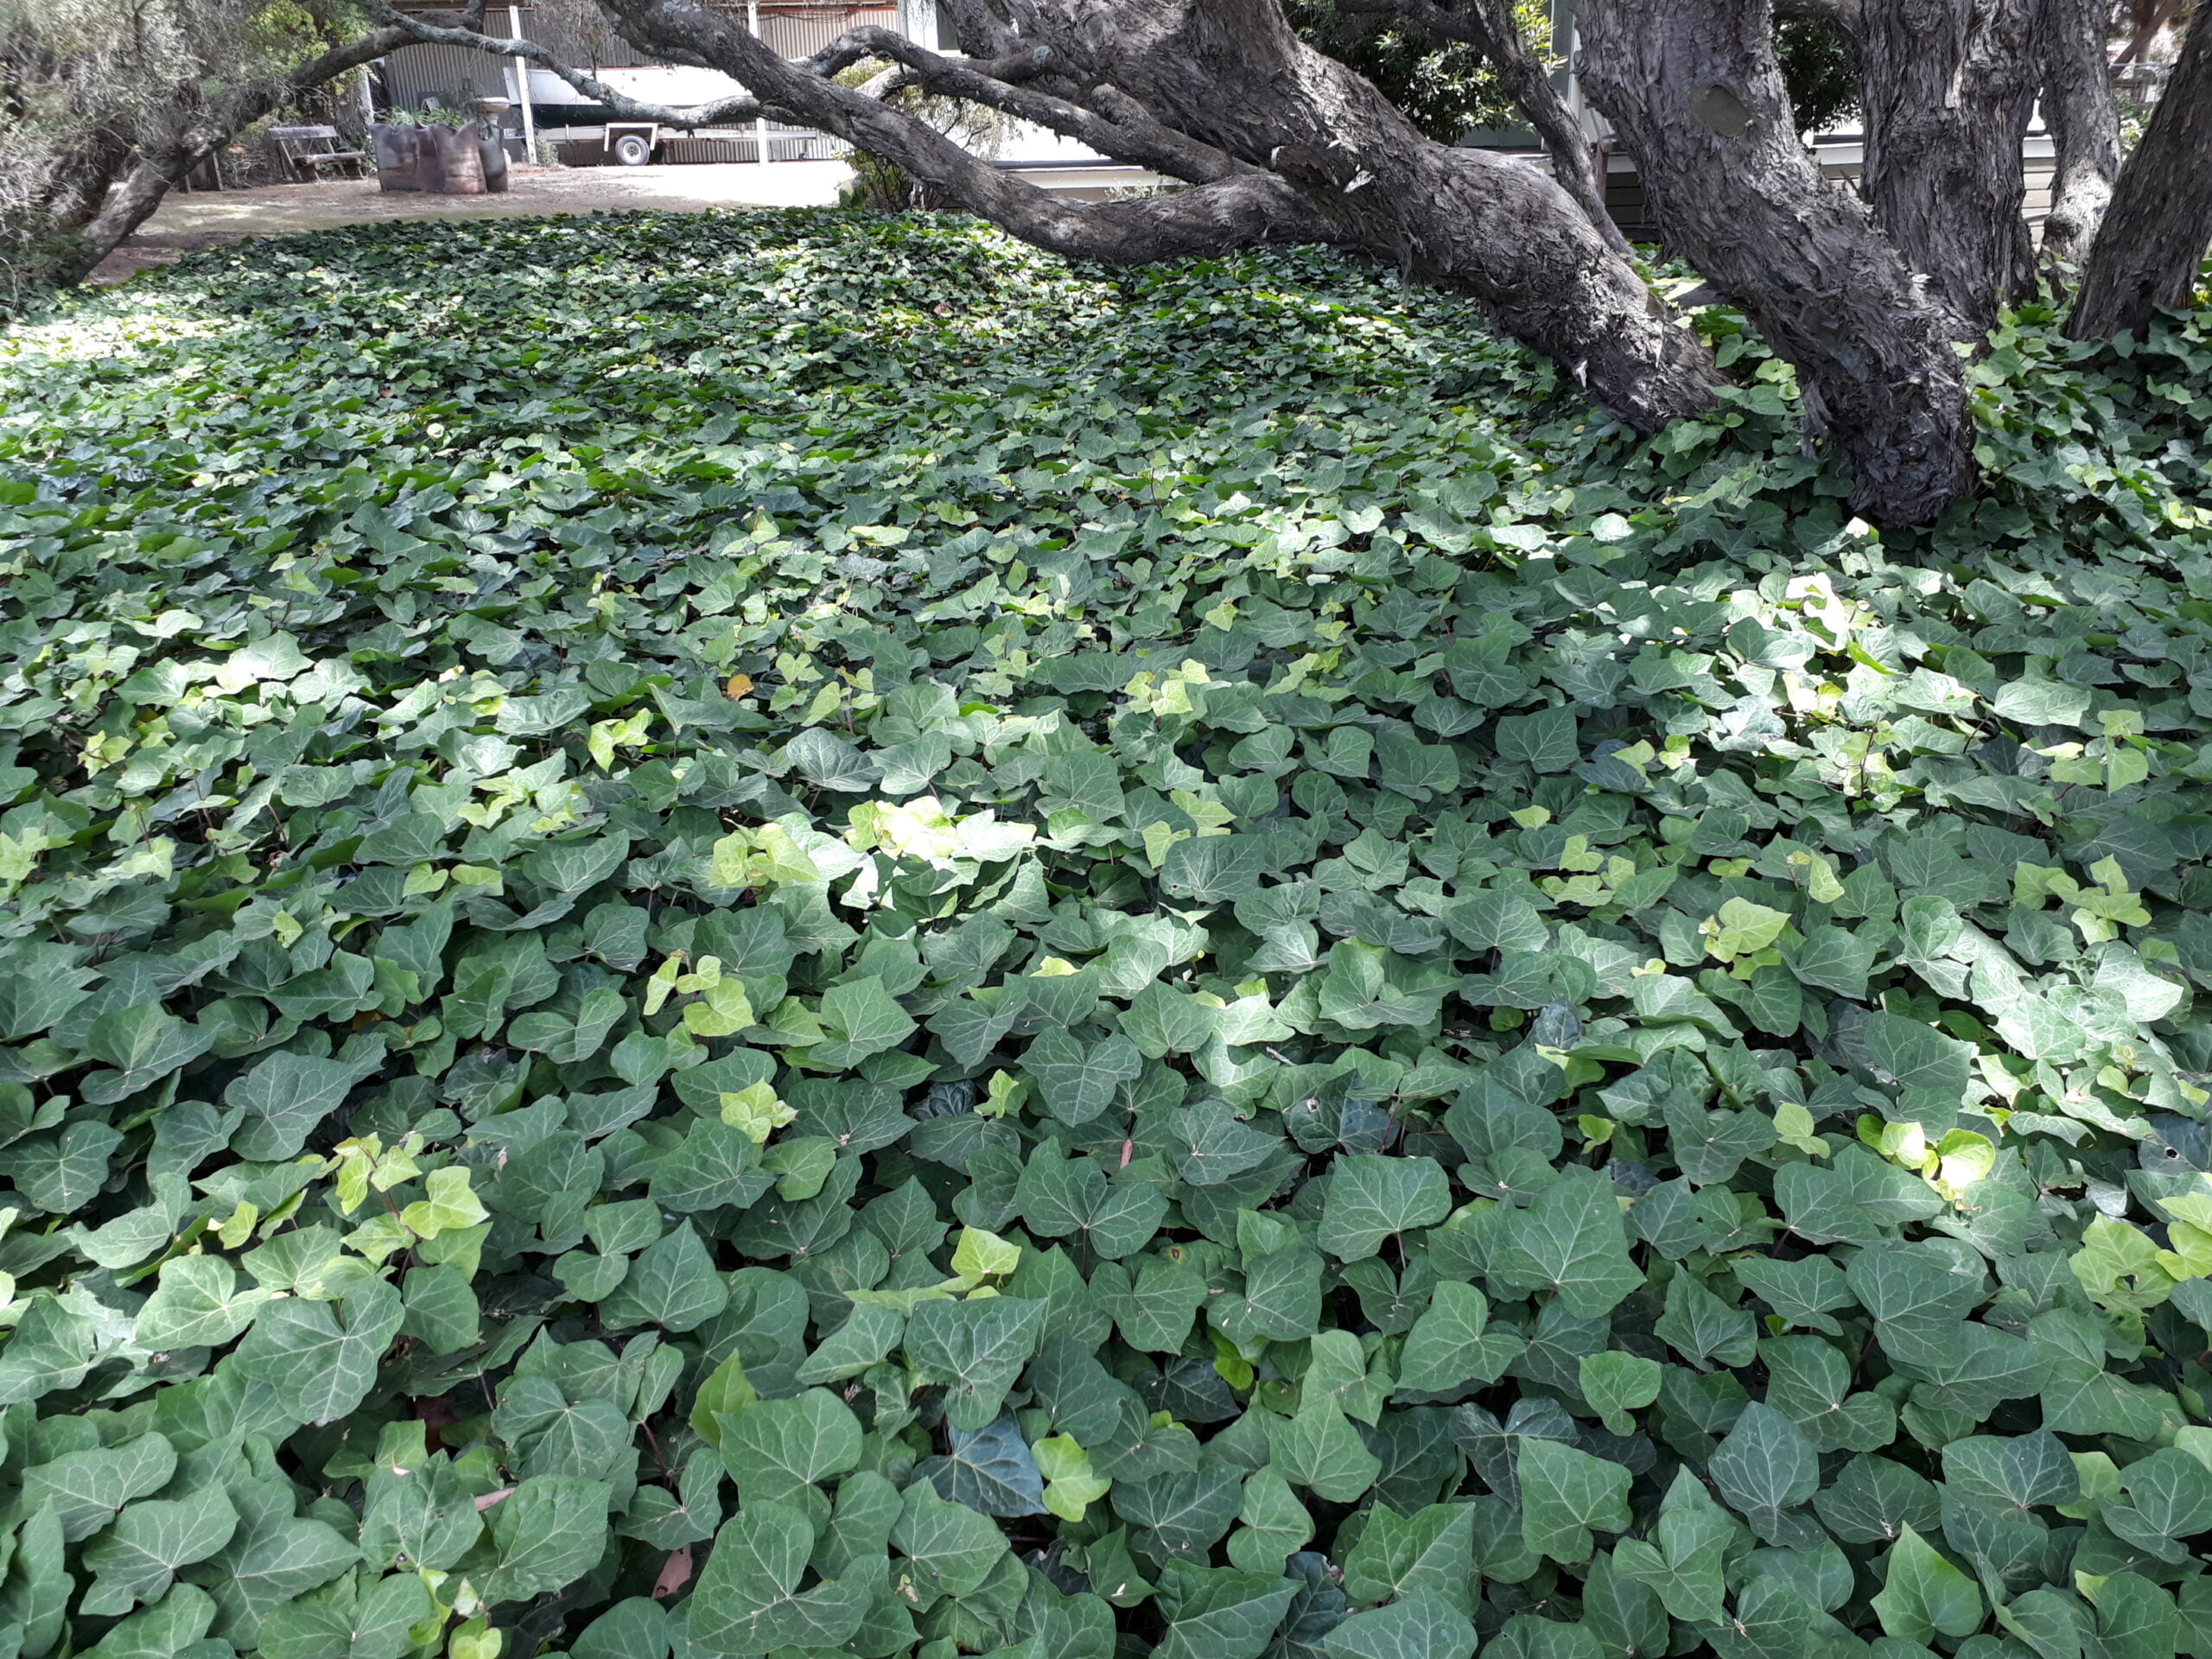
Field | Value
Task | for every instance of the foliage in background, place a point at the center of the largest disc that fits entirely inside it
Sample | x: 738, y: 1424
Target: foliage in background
x: 84, y: 82
x: 882, y: 185
x: 1819, y: 66
x: 1445, y: 88
x: 1153, y: 961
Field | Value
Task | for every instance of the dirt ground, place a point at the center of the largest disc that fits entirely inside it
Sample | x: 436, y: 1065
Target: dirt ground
x: 190, y: 222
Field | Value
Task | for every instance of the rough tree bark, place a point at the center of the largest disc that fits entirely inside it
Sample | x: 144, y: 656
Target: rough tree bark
x: 1285, y: 145
x: 1231, y: 79
x: 197, y: 132
x: 1949, y: 89
x: 2152, y: 245
x: 1487, y: 26
x: 1694, y: 86
x: 2083, y: 116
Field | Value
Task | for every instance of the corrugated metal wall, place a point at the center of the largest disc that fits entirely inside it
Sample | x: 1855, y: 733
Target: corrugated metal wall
x: 445, y: 72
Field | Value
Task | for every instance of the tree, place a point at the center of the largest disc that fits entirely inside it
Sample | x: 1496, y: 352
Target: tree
x: 106, y: 107
x: 1870, y: 297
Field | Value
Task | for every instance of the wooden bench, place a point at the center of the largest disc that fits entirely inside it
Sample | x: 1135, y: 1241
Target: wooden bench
x: 307, y: 150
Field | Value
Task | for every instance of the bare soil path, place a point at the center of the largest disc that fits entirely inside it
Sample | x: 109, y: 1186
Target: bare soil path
x: 188, y: 223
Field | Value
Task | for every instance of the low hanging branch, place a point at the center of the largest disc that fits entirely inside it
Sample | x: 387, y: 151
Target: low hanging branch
x: 202, y: 130
x: 1235, y: 205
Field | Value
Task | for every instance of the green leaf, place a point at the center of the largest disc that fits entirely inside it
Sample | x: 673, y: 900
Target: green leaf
x: 321, y: 1358
x: 977, y: 1348
x: 1571, y: 1241
x: 1218, y: 1613
x: 1448, y: 1345
x: 1274, y: 1523
x: 862, y: 1019
x: 776, y: 1449
x: 200, y: 1303
x: 747, y: 1600
x: 1421, y: 1626
x: 82, y: 1491
x: 1683, y: 1562
x: 1371, y: 1199
x: 1618, y: 1384
x: 136, y: 1558
x: 672, y: 1284
x: 1918, y: 1298
x: 1564, y: 1494
x: 1763, y: 1467
x: 548, y: 1534
x: 1923, y: 1596
x: 949, y: 1549
x: 1319, y: 1449
x: 1430, y: 1552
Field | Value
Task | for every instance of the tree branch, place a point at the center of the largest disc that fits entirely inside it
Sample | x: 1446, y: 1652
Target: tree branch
x: 1235, y: 205
x: 1129, y: 134
x: 160, y: 165
x: 1488, y: 27
x: 741, y: 107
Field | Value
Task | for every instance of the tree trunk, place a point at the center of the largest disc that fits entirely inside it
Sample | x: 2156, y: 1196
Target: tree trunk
x: 1695, y: 88
x: 2083, y: 116
x: 1233, y: 76
x: 1949, y: 86
x: 1487, y: 26
x: 2151, y: 247
x: 79, y: 184
x: 199, y: 134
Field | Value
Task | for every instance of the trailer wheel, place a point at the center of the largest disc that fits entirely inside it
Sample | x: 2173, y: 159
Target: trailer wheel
x: 633, y: 150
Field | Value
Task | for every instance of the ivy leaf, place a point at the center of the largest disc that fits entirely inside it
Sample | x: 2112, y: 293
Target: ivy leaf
x: 991, y: 1469
x: 776, y: 1449
x: 1219, y: 1613
x: 1923, y: 1596
x: 136, y: 1558
x: 1449, y: 1346
x: 1371, y: 1199
x: 1566, y: 1493
x: 550, y: 1532
x: 747, y: 1600
x: 321, y: 1358
x: 1570, y: 1239
x: 949, y: 1549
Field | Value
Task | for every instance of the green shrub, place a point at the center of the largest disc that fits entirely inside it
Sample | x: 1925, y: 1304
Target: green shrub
x: 1084, y: 962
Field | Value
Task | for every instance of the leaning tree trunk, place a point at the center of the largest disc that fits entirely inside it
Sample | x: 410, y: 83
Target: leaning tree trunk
x: 1948, y: 88
x: 2084, y: 120
x: 158, y: 168
x: 1232, y: 75
x: 1487, y: 26
x: 1694, y: 87
x: 2152, y: 245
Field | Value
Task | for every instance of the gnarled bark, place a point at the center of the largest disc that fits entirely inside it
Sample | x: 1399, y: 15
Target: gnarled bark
x: 1949, y: 89
x: 1694, y: 86
x: 1487, y: 26
x: 2083, y: 116
x: 1230, y: 76
x: 2152, y: 245
x: 199, y: 133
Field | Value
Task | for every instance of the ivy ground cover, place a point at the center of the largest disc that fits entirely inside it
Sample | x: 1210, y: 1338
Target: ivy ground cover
x: 789, y: 935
